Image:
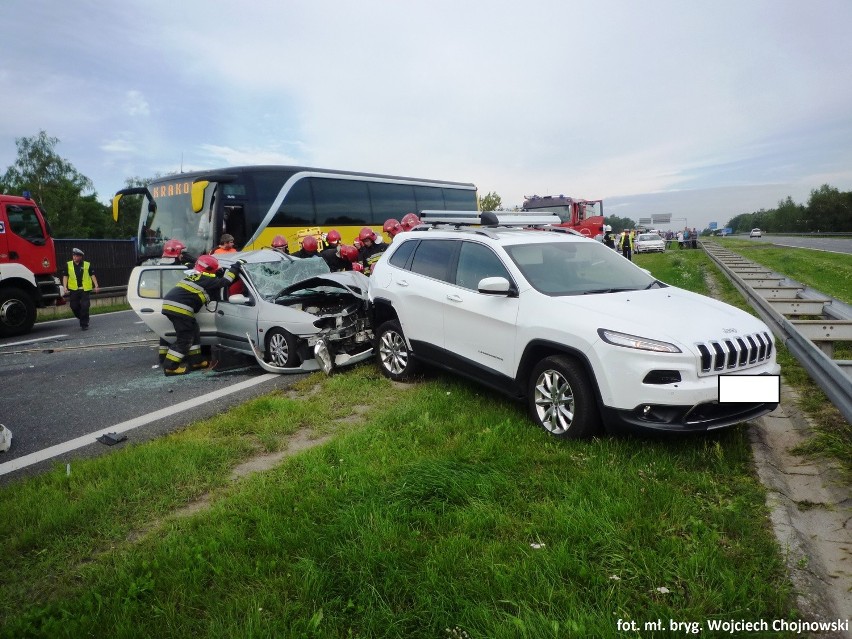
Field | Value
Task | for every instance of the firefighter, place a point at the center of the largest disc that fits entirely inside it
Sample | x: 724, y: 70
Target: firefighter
x: 371, y: 249
x: 332, y: 239
x: 340, y: 258
x: 174, y: 252
x: 309, y: 247
x: 279, y: 243
x: 625, y: 244
x: 409, y: 221
x: 607, y: 238
x: 392, y: 227
x: 182, y: 303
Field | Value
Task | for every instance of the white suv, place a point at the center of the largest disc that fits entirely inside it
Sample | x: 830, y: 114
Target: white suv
x: 583, y: 335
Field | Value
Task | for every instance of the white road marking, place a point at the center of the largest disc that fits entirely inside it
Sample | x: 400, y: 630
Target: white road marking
x: 31, y: 341
x: 136, y: 422
x: 811, y: 248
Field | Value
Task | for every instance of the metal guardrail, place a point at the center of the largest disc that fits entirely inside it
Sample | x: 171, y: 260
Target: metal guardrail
x: 770, y: 295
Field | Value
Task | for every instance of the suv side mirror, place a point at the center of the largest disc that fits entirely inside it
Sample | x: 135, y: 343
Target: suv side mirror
x: 495, y: 286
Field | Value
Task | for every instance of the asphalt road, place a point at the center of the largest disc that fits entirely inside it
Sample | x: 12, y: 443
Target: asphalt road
x: 831, y: 244
x: 60, y: 384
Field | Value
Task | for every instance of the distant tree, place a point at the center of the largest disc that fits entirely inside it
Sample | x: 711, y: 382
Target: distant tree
x: 618, y: 224
x: 829, y: 210
x: 490, y: 202
x: 66, y: 196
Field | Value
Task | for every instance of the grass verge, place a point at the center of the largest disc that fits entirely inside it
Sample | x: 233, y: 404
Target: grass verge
x: 436, y: 508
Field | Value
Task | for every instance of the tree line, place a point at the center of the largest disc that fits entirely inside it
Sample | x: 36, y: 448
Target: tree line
x: 828, y: 210
x: 66, y: 197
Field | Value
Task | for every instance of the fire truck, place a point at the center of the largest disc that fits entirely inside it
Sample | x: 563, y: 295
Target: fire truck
x: 27, y: 265
x: 585, y: 216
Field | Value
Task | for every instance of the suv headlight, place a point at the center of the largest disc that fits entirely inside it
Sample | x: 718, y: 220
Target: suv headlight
x: 633, y: 341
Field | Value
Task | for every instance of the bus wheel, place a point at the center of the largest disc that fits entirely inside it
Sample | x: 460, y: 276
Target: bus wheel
x: 281, y: 348
x: 17, y: 312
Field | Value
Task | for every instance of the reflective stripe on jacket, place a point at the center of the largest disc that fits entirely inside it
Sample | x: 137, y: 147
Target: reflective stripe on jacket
x: 193, y: 292
x: 88, y: 285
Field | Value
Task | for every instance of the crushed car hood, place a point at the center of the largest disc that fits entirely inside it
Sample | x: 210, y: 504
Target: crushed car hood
x: 354, y: 282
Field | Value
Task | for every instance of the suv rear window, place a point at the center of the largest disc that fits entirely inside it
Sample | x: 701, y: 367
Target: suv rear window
x: 432, y: 258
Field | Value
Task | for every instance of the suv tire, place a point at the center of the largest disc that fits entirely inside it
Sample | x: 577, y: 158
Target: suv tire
x: 561, y: 399
x: 393, y: 354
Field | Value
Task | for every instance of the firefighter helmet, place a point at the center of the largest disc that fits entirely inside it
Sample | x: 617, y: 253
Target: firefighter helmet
x: 367, y: 234
x: 392, y: 227
x: 348, y: 252
x: 409, y: 221
x: 173, y: 248
x: 206, y: 264
x: 333, y: 237
x: 309, y: 243
x: 279, y: 241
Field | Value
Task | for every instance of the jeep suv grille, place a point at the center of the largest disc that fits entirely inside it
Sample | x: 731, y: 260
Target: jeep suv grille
x: 734, y: 353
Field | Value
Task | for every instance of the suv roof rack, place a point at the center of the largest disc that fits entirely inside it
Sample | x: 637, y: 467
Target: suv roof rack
x: 487, y: 218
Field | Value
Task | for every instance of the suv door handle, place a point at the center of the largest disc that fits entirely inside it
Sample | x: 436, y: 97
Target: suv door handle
x: 402, y: 282
x: 455, y: 298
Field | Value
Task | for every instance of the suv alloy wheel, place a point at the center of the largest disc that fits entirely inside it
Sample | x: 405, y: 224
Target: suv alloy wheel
x: 392, y: 352
x: 561, y: 399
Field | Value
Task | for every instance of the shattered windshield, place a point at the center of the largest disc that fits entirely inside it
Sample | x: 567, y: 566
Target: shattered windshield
x: 270, y: 278
x: 577, y: 268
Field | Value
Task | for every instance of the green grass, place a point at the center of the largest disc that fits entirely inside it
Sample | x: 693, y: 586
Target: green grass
x: 64, y: 312
x: 444, y: 508
x: 829, y: 273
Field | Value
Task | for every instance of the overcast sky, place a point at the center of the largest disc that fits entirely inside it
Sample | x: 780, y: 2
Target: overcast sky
x: 701, y: 109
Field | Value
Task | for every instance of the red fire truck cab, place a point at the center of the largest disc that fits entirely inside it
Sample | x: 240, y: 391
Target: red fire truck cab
x: 27, y: 265
x: 585, y: 216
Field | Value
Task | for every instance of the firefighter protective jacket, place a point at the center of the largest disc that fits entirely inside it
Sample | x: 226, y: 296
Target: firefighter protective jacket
x: 193, y: 291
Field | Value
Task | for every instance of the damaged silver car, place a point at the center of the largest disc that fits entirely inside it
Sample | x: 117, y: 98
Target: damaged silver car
x: 292, y: 314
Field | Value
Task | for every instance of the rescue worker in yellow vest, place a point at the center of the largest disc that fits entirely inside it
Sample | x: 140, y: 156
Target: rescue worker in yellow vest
x: 625, y: 244
x: 80, y: 280
x: 182, y: 303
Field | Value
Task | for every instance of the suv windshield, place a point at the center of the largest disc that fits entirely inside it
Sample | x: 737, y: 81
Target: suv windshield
x: 270, y: 278
x: 577, y: 268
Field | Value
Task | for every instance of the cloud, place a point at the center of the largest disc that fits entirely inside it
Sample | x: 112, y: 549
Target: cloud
x: 136, y: 105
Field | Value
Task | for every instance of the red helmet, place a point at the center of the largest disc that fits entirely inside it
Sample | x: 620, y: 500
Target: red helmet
x: 409, y: 221
x: 357, y: 266
x: 279, y: 241
x: 173, y: 248
x: 333, y: 236
x: 392, y: 227
x: 348, y: 253
x: 310, y: 244
x: 206, y: 264
x: 367, y: 234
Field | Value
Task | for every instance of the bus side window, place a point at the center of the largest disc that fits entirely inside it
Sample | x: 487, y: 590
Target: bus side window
x: 297, y: 209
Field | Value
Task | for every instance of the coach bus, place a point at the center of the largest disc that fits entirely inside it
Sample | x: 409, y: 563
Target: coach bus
x: 256, y: 203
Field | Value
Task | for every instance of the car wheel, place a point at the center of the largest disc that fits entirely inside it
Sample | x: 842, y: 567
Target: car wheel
x: 561, y: 398
x: 17, y: 312
x: 281, y: 348
x: 392, y: 353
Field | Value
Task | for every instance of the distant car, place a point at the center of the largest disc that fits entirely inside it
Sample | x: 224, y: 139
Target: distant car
x: 648, y: 243
x: 285, y: 307
x: 755, y: 233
